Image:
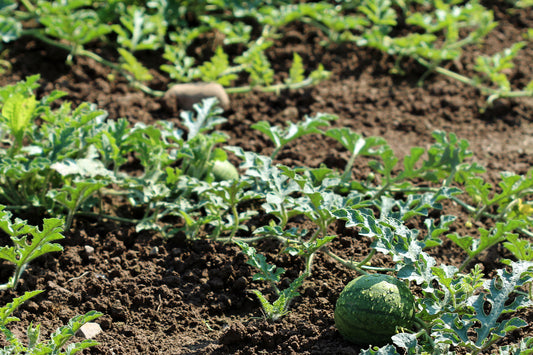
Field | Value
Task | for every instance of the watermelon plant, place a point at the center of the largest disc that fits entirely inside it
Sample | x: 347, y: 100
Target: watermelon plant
x: 60, y: 341
x: 164, y: 26
x: 67, y: 163
x: 182, y: 192
x: 29, y: 243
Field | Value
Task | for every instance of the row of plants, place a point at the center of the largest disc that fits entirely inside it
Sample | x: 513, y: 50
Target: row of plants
x: 433, y: 33
x: 68, y: 162
x: 65, y: 161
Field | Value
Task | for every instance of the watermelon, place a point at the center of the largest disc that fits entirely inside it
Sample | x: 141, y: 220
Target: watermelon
x: 371, y: 308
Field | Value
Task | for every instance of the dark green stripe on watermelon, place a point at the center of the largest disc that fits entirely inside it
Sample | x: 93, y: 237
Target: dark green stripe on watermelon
x: 372, y: 307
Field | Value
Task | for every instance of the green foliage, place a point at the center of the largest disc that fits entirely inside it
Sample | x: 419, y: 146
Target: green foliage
x: 437, y: 32
x: 139, y: 30
x: 474, y: 246
x: 215, y: 69
x: 24, y: 249
x: 271, y: 274
x: 454, y: 327
x: 493, y: 67
x: 281, y: 137
x: 133, y: 66
x: 77, y: 26
x: 58, y: 339
x: 150, y: 26
x: 10, y: 28
x: 17, y: 112
x: 75, y: 157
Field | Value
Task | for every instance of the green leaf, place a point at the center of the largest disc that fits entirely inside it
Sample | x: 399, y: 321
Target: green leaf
x: 363, y: 218
x: 384, y: 350
x: 434, y: 231
x: 10, y: 29
x: 487, y: 238
x: 486, y: 323
x: 355, y: 143
x: 207, y: 117
x: 59, y: 338
x: 18, y: 111
x: 24, y: 251
x: 282, y: 136
x: 522, y: 249
x: 379, y: 12
x: 257, y: 65
x: 141, y: 31
x: 267, y: 272
x: 216, y: 69
x: 77, y: 27
x: 296, y: 73
x: 135, y: 67
x: 7, y: 310
x: 524, y: 347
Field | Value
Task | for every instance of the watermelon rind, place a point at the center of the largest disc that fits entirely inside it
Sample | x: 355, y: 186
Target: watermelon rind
x: 372, y: 307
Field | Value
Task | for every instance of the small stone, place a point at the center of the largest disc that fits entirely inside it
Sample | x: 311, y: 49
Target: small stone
x: 184, y: 96
x: 89, y: 330
x: 154, y: 251
x: 89, y: 249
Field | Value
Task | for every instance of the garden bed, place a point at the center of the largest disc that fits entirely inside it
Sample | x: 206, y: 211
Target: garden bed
x: 192, y: 296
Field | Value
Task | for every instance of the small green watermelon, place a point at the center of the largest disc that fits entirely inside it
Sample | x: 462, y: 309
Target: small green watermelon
x: 372, y: 307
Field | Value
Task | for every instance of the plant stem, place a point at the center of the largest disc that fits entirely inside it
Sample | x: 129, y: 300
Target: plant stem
x: 271, y: 88
x: 244, y: 240
x: 235, y: 221
x: 426, y: 330
x: 309, y: 263
x: 28, y: 5
x: 345, y: 263
x: 497, y: 93
x: 275, y: 152
x: 348, y: 168
x: 114, y: 218
x: 382, y: 190
x: 83, y: 52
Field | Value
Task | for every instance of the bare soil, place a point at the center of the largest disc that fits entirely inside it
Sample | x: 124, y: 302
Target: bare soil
x: 192, y: 297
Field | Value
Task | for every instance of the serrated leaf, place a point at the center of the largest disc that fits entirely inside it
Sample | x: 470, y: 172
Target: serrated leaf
x: 296, y: 72
x: 455, y: 328
x: 23, y: 250
x: 216, y: 70
x: 487, y: 238
x: 8, y: 309
x: 132, y: 65
x: 18, y: 111
x: 268, y: 272
x: 63, y: 334
x: 362, y: 218
x: 384, y: 350
x: 10, y: 29
x: 522, y: 249
x: 207, y: 117
x: 499, y: 289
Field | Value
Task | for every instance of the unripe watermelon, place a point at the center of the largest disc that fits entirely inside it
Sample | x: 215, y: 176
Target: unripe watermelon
x: 224, y: 170
x: 371, y: 307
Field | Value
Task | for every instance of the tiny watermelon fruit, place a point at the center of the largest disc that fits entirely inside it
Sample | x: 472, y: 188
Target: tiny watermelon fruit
x: 372, y: 307
x: 224, y: 170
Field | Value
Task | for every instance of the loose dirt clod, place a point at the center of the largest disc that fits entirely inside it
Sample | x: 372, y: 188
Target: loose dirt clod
x: 89, y: 330
x: 184, y: 96
x: 89, y: 249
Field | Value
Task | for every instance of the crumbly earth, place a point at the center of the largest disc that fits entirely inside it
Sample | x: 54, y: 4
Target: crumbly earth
x: 192, y: 297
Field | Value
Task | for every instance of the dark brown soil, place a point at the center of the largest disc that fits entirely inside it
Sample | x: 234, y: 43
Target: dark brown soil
x: 178, y: 297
